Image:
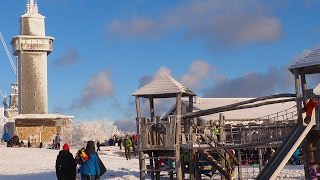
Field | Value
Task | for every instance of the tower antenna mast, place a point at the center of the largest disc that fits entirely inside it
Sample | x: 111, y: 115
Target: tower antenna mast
x: 8, y: 54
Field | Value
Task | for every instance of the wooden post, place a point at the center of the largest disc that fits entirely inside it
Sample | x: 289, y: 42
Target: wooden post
x: 298, y: 96
x: 156, y: 161
x: 183, y: 165
x: 302, y: 83
x: 197, y: 170
x: 142, y: 162
x: 240, y: 163
x: 260, y: 159
x: 192, y: 165
x: 178, y: 134
x: 304, y: 88
x: 153, y: 135
x: 151, y: 165
x: 191, y: 152
x: 222, y: 140
x: 153, y: 138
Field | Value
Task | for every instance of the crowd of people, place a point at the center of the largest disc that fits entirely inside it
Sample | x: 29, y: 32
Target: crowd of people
x: 86, y: 162
x: 128, y: 142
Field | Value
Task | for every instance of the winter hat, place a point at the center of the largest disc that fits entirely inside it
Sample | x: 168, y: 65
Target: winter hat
x: 66, y: 147
x: 90, y: 148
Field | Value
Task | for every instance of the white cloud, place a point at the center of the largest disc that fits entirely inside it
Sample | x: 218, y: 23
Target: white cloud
x: 199, y: 70
x: 162, y: 72
x: 70, y: 57
x: 219, y: 23
x: 98, y: 86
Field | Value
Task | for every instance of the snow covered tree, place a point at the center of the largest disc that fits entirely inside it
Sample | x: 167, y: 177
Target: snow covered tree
x: 85, y: 130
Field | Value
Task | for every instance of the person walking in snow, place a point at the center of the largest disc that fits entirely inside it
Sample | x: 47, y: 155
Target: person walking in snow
x: 127, y: 143
x: 90, y: 169
x: 98, y: 146
x: 135, y: 144
x: 65, y: 164
x: 57, y: 141
x: 119, y: 141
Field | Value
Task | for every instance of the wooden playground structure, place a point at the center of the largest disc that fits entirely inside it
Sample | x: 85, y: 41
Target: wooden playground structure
x: 190, y: 148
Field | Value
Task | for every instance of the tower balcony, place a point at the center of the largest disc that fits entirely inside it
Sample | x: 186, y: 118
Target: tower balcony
x: 32, y: 44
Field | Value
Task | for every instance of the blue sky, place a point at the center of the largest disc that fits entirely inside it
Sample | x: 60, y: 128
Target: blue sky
x: 105, y: 50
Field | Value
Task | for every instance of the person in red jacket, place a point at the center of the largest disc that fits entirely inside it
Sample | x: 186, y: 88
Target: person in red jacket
x: 311, y: 104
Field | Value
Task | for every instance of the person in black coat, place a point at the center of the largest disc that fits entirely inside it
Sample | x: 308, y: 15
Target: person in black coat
x: 65, y: 165
x: 98, y: 145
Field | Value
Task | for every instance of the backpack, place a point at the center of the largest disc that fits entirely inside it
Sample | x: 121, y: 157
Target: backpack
x: 81, y: 156
x: 103, y: 169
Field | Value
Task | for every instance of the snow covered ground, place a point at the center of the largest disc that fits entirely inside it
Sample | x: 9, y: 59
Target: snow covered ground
x: 37, y: 164
x: 34, y: 163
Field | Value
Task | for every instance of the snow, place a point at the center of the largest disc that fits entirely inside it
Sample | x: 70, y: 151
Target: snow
x: 36, y: 164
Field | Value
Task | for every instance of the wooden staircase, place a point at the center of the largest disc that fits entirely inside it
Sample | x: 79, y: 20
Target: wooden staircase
x: 213, y: 162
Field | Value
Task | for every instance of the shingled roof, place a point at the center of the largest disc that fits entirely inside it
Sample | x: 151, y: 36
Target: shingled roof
x: 309, y: 63
x: 163, y: 87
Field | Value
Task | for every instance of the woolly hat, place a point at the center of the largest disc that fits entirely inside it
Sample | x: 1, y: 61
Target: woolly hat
x: 90, y: 147
x: 66, y: 147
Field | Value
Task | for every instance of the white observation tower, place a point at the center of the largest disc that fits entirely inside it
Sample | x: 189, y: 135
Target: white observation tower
x: 32, y: 47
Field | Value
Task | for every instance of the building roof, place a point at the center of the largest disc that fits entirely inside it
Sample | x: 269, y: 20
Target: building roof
x: 251, y: 113
x: 242, y: 114
x: 163, y: 87
x: 42, y: 116
x: 310, y: 63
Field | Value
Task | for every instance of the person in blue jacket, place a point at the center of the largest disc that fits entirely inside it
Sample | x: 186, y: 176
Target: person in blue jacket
x: 6, y: 137
x: 295, y: 157
x: 90, y: 169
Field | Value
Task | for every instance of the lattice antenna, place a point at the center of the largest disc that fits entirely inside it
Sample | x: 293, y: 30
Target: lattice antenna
x: 2, y: 94
x: 8, y: 54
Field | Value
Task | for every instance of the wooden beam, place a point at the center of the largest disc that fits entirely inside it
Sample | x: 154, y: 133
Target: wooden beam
x: 142, y: 162
x: 178, y: 134
x: 304, y: 88
x: 222, y: 140
x: 239, y: 165
x: 191, y: 152
x: 298, y: 96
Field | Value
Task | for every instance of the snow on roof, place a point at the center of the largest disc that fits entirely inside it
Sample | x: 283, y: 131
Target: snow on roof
x: 251, y: 113
x: 316, y: 90
x: 42, y: 116
x: 312, y: 59
x: 163, y: 86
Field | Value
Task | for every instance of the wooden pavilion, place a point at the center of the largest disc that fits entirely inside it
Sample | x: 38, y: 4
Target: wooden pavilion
x: 153, y: 143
